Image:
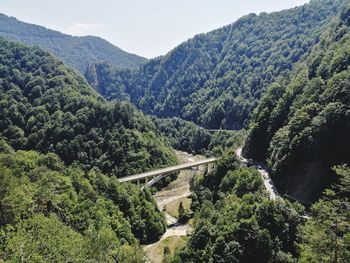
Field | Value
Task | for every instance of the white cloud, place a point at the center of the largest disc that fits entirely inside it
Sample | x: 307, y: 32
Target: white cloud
x: 83, y: 29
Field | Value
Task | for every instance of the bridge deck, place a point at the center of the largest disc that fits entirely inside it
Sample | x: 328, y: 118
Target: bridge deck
x: 167, y: 170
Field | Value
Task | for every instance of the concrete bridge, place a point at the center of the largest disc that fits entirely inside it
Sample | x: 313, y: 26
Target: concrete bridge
x: 156, y: 175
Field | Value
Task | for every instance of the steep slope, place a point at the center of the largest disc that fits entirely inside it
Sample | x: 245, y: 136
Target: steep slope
x: 188, y: 137
x: 57, y: 136
x: 78, y: 52
x: 301, y: 127
x: 236, y: 222
x: 48, y: 107
x: 72, y: 216
x: 216, y: 79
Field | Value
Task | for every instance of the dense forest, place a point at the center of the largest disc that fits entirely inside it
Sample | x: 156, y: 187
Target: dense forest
x: 216, y: 79
x: 77, y: 52
x: 54, y: 213
x: 301, y: 127
x: 300, y: 130
x: 48, y: 107
x: 62, y: 147
x: 187, y: 136
x: 282, y: 79
x: 236, y: 222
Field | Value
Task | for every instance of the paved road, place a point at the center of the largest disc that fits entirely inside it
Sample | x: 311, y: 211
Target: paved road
x: 215, y: 130
x: 270, y: 187
x: 167, y: 170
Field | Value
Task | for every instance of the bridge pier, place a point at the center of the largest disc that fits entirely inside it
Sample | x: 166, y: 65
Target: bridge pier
x: 193, y: 172
x: 210, y: 167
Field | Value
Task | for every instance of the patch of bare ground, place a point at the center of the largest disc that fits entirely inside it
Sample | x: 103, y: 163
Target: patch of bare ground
x: 168, y: 200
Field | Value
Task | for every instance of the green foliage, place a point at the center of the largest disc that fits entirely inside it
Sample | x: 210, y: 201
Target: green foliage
x: 78, y: 52
x: 166, y: 251
x: 326, y: 236
x: 102, y: 76
x: 300, y: 128
x: 241, y: 181
x: 48, y: 107
x: 183, y: 214
x: 242, y: 225
x: 207, y: 187
x: 247, y: 227
x: 216, y: 79
x: 42, y: 239
x: 47, y: 206
x: 186, y: 136
x: 70, y: 215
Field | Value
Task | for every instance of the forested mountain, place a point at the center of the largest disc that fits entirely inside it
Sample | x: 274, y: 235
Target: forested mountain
x: 50, y: 108
x: 236, y: 222
x: 301, y: 127
x: 62, y: 147
x: 187, y: 136
x: 53, y: 213
x: 78, y: 52
x: 301, y: 131
x: 216, y: 79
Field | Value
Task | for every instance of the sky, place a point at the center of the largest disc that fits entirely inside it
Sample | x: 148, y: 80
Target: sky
x: 148, y: 28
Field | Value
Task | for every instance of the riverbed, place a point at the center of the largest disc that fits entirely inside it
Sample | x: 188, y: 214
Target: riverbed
x: 168, y: 200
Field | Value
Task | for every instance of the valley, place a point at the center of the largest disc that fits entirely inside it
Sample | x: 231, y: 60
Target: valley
x: 168, y: 200
x: 254, y: 118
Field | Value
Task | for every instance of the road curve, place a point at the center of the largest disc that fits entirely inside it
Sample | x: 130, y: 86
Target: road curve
x: 269, y: 185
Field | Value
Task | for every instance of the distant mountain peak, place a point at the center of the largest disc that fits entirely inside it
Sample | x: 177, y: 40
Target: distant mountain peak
x: 76, y: 51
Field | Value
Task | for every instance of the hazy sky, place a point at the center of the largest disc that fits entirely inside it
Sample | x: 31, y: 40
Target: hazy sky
x: 145, y: 27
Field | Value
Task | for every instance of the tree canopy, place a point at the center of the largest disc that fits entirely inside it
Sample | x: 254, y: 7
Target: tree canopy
x: 235, y: 221
x: 300, y: 128
x: 50, y: 212
x: 216, y: 79
x: 62, y: 147
x: 48, y: 107
x: 77, y: 52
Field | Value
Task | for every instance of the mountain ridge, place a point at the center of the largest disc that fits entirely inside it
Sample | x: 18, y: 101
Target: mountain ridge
x: 300, y: 127
x: 77, y: 51
x: 216, y: 79
x: 48, y: 107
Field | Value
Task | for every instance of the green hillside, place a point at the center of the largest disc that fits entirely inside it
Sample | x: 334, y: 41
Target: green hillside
x: 77, y: 52
x: 48, y: 107
x: 50, y: 212
x: 216, y: 79
x: 62, y: 147
x: 301, y: 127
x: 236, y: 222
x: 277, y: 84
